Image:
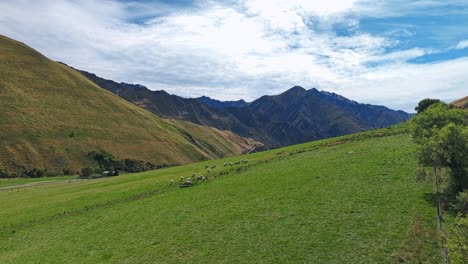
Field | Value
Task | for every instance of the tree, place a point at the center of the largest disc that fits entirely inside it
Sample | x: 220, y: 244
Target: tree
x: 453, y: 147
x: 424, y: 104
x: 441, y: 135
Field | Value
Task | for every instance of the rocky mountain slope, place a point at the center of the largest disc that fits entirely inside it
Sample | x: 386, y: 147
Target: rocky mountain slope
x: 295, y: 116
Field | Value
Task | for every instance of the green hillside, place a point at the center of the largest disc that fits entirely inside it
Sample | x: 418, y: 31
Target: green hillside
x: 352, y: 199
x: 51, y: 116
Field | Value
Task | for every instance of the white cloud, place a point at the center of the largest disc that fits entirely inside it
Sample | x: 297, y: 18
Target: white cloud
x: 231, y: 51
x: 399, y: 56
x: 462, y: 44
x: 403, y: 85
x: 400, y: 8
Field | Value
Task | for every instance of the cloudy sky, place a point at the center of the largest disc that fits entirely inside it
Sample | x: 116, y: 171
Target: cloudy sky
x: 390, y: 52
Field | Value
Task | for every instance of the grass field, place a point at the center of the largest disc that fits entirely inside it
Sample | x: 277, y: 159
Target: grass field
x: 352, y: 199
x: 21, y: 181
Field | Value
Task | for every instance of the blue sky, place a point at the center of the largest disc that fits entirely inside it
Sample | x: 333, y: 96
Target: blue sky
x: 393, y: 52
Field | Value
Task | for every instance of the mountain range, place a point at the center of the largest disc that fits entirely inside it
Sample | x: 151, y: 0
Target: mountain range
x: 52, y: 116
x: 294, y: 116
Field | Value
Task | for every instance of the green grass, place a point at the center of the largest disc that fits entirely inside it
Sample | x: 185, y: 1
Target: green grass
x: 352, y: 199
x: 44, y: 102
x: 21, y: 181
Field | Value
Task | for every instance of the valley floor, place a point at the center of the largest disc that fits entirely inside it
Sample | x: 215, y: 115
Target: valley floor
x: 330, y: 201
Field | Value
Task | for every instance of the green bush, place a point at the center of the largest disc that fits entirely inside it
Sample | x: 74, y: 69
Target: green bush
x: 132, y: 165
x: 462, y: 202
x: 68, y: 171
x: 105, y: 160
x: 86, y: 172
x: 5, y: 174
x: 457, y: 241
x: 36, y: 173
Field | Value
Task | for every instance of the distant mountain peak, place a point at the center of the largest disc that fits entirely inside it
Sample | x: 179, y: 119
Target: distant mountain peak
x: 333, y: 96
x: 133, y: 86
x: 220, y: 104
x: 294, y: 91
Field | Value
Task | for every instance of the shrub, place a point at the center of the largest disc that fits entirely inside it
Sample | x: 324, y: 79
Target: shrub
x: 106, y: 161
x: 457, y: 241
x: 86, y: 172
x: 68, y: 171
x: 36, y: 173
x: 462, y: 203
x: 133, y: 165
x: 5, y: 174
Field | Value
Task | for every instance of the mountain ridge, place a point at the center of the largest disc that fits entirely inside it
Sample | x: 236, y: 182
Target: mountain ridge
x: 295, y: 116
x: 461, y: 103
x: 221, y: 104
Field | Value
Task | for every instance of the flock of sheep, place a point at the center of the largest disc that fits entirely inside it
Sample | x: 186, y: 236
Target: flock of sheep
x: 187, y: 183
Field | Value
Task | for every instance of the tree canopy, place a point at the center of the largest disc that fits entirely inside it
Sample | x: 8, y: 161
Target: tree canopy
x: 441, y: 134
x: 424, y: 104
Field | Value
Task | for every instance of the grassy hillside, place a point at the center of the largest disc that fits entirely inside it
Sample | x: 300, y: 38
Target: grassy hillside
x: 51, y: 116
x: 352, y: 199
x: 461, y: 103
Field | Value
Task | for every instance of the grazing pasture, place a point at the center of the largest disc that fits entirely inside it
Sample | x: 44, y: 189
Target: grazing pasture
x: 352, y: 199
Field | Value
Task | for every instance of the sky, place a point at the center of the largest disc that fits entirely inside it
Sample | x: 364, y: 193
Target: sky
x: 387, y: 52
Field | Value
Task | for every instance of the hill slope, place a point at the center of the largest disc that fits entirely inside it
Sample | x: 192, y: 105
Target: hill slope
x: 293, y: 117
x: 347, y: 200
x: 461, y: 103
x: 52, y: 116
